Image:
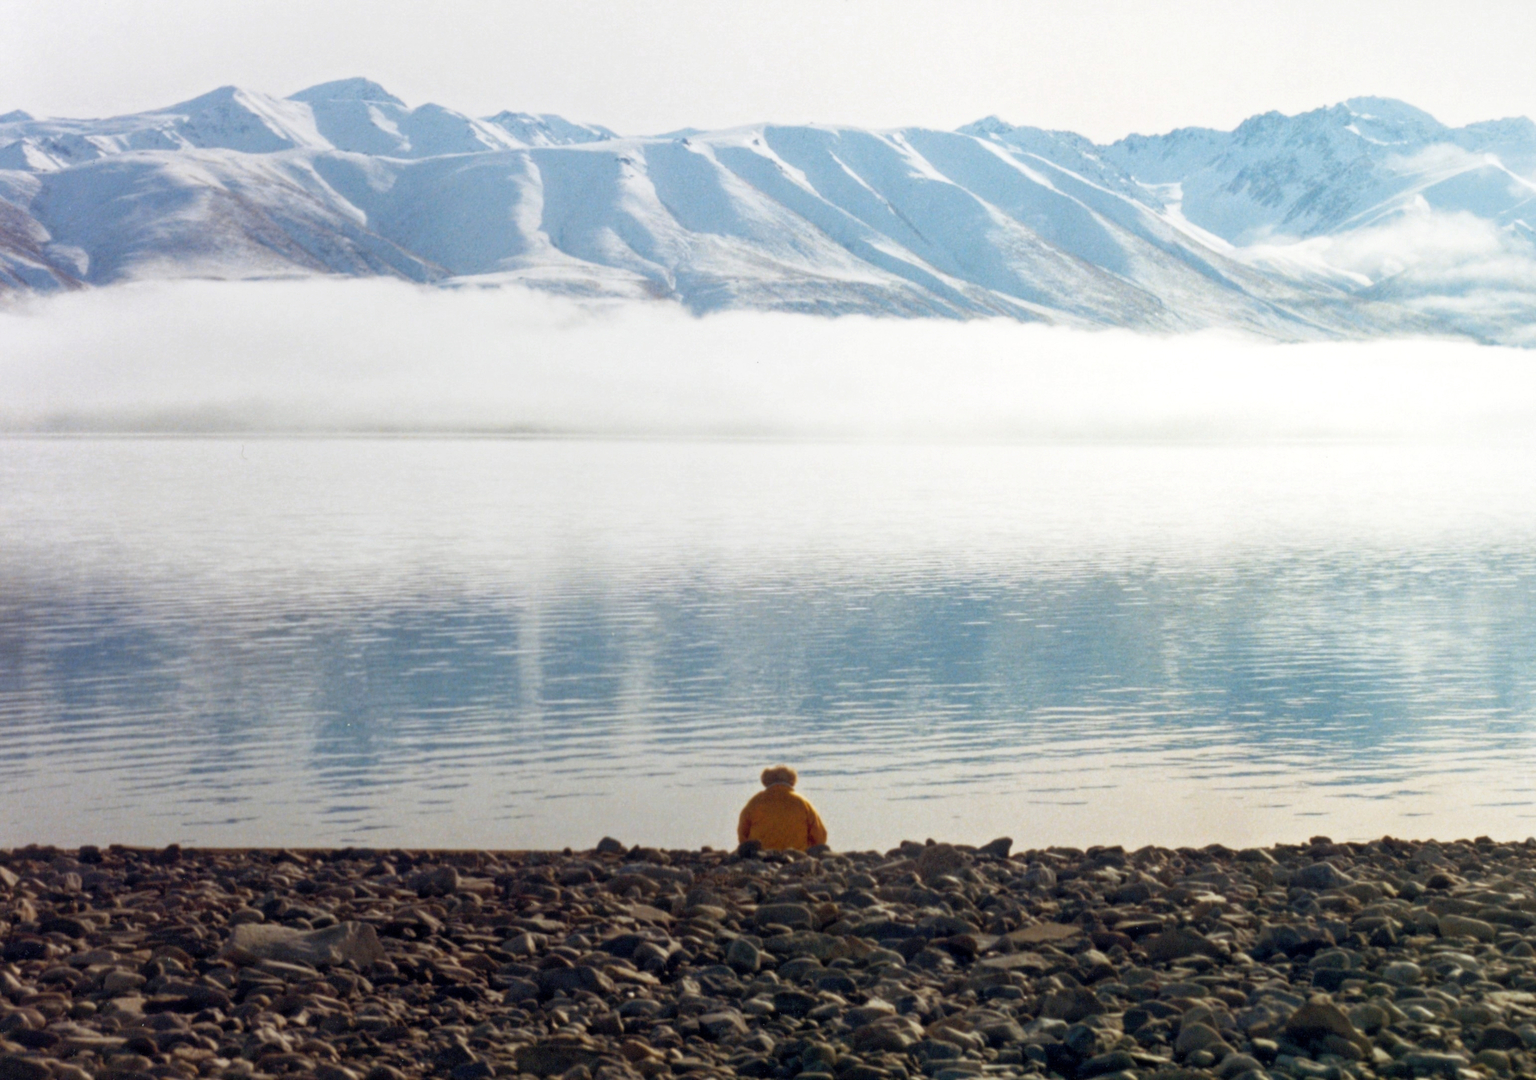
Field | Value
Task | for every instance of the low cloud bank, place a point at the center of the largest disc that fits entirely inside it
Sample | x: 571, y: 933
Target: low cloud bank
x: 381, y: 356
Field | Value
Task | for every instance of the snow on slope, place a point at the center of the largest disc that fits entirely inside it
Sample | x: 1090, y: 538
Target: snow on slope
x: 532, y: 129
x: 227, y: 118
x: 1363, y: 218
x: 1321, y: 171
x: 361, y: 116
x: 211, y: 214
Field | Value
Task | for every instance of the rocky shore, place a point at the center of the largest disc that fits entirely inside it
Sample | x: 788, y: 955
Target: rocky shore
x: 1324, y: 961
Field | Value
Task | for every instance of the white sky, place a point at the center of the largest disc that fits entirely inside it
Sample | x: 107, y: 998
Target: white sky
x: 1099, y: 67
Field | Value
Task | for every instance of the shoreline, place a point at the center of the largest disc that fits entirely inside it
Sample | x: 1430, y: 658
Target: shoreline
x: 1321, y: 961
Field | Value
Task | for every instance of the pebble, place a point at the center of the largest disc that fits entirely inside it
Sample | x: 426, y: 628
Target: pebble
x: 1330, y: 961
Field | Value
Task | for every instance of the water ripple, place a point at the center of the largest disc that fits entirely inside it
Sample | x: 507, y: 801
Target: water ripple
x: 437, y: 643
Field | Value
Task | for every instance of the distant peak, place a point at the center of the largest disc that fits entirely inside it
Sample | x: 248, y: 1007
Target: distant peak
x: 14, y: 116
x: 223, y: 95
x: 358, y: 89
x: 1259, y: 121
x: 1519, y: 127
x: 1380, y: 108
x: 987, y: 125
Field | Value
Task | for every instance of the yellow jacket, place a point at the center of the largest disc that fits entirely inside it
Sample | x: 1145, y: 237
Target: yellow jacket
x: 778, y: 817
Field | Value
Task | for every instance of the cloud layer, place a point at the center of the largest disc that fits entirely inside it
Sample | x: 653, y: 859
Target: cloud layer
x: 381, y: 356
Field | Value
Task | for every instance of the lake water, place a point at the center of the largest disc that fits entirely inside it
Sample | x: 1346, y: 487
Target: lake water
x: 503, y: 643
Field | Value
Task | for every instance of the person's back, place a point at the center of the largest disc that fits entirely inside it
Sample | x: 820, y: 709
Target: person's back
x: 779, y: 817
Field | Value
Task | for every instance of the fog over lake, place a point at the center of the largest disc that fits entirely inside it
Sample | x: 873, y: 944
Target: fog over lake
x: 370, y: 356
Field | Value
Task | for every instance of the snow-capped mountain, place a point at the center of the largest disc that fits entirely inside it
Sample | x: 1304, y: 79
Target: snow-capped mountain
x: 1350, y: 165
x: 1363, y: 218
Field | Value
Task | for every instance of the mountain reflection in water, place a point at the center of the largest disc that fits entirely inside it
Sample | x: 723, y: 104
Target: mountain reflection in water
x: 511, y: 644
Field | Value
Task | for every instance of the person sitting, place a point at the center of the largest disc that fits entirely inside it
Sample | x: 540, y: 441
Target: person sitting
x: 779, y: 817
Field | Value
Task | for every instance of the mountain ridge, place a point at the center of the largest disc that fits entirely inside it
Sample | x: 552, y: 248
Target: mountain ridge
x: 1358, y: 219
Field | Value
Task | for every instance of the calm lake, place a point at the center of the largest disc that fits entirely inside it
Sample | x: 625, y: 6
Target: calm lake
x: 514, y: 643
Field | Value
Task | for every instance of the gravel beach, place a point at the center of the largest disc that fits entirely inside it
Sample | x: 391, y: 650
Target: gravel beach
x: 1334, y: 961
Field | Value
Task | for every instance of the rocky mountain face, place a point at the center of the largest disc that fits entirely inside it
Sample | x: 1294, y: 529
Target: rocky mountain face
x: 1365, y: 218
